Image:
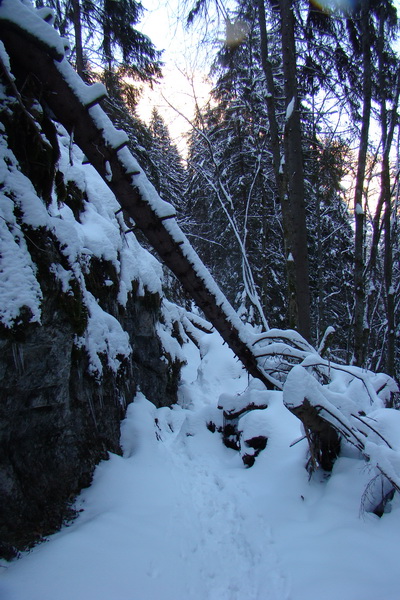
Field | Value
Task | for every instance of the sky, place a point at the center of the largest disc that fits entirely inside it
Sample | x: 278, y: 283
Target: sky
x: 186, y: 65
x: 187, y: 60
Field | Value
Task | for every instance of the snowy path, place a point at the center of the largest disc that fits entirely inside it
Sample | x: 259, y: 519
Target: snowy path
x: 178, y: 517
x: 224, y: 548
x: 168, y: 521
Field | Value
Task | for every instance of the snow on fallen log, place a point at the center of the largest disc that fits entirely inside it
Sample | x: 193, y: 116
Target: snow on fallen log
x: 236, y: 405
x: 346, y: 411
x: 279, y: 350
x: 19, y: 16
x: 337, y: 404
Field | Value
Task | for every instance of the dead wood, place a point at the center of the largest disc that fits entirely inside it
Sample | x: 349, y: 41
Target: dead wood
x: 323, y: 438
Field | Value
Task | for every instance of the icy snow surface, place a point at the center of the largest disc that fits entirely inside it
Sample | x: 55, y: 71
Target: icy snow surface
x: 178, y: 517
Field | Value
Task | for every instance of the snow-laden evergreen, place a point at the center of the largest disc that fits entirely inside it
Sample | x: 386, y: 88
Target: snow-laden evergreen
x: 179, y: 517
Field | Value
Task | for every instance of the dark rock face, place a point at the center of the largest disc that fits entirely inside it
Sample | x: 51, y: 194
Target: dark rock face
x: 53, y: 429
x: 57, y: 418
x: 57, y: 422
x: 156, y: 374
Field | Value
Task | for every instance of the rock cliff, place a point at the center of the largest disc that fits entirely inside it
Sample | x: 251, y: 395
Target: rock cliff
x: 83, y: 324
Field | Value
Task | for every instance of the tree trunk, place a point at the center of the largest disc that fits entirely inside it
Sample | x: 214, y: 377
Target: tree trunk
x: 322, y: 437
x: 288, y: 169
x: 293, y: 205
x: 360, y: 324
x: 390, y: 299
x: 270, y: 102
x: 387, y: 129
x: 76, y: 18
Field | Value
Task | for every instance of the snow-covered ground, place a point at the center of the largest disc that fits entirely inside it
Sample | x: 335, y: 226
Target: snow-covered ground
x: 179, y: 517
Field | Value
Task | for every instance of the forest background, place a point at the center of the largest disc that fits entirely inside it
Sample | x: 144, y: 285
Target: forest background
x: 288, y: 188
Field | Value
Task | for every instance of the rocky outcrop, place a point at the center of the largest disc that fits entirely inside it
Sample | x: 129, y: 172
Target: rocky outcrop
x: 57, y: 421
x: 80, y: 321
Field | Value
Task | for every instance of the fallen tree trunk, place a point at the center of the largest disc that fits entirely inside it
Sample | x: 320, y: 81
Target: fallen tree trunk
x: 323, y: 439
x: 75, y: 106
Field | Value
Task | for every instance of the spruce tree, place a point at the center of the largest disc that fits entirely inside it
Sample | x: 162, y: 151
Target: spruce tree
x: 103, y: 35
x: 167, y: 173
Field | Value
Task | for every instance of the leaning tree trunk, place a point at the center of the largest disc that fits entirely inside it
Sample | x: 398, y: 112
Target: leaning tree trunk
x: 74, y: 106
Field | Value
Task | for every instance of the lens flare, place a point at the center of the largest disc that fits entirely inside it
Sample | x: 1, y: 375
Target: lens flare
x: 235, y: 33
x: 336, y: 6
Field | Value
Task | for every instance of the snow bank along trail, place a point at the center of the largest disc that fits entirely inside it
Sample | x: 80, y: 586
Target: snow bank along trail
x: 178, y: 517
x: 169, y: 520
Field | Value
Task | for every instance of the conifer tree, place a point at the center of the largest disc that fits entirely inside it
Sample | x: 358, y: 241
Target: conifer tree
x: 340, y: 63
x: 104, y: 36
x: 168, y: 174
x: 230, y: 173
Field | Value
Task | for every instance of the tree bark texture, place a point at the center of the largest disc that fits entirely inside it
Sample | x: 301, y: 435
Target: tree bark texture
x: 323, y: 439
x: 293, y: 204
x: 270, y: 101
x: 388, y: 124
x: 360, y: 324
x: 76, y: 17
